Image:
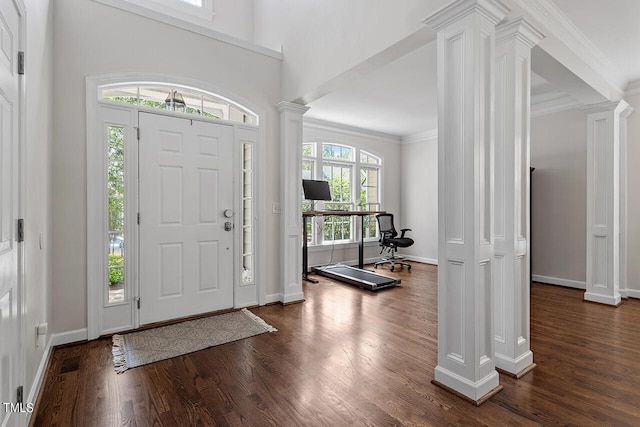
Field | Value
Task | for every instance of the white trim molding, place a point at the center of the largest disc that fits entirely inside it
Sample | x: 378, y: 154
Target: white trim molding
x: 633, y: 88
x: 196, y: 26
x: 556, y: 23
x: 554, y: 102
x: 428, y: 136
x: 431, y: 261
x: 567, y: 283
x: 310, y: 122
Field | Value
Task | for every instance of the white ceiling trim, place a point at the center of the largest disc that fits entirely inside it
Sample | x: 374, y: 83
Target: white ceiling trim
x: 429, y: 136
x: 552, y: 103
x: 633, y: 88
x: 558, y: 24
x: 349, y: 130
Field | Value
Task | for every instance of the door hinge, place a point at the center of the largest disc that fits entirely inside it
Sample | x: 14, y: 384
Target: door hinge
x: 21, y: 62
x: 138, y: 133
x: 138, y: 218
x: 20, y: 395
x: 21, y: 230
x: 137, y: 300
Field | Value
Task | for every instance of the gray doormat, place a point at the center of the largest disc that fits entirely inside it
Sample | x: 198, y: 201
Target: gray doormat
x: 152, y: 345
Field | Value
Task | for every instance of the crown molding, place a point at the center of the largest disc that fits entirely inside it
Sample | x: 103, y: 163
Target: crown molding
x: 621, y: 107
x: 309, y: 122
x: 559, y: 25
x: 519, y: 29
x: 190, y: 26
x: 493, y: 10
x: 291, y: 107
x: 428, y: 136
x: 633, y: 88
x: 552, y: 103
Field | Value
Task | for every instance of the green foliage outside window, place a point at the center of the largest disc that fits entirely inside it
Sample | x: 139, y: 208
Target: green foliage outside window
x: 116, y: 269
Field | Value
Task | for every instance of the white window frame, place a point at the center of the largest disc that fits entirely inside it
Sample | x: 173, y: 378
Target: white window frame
x: 317, y: 223
x: 170, y: 8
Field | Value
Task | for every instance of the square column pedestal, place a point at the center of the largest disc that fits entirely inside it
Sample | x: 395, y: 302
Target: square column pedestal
x: 466, y: 61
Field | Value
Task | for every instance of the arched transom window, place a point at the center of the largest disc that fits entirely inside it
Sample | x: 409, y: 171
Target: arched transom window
x: 178, y: 98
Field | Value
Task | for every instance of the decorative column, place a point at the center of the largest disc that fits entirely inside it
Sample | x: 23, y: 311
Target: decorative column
x: 466, y: 40
x: 603, y: 201
x: 624, y: 292
x: 511, y: 281
x: 290, y: 199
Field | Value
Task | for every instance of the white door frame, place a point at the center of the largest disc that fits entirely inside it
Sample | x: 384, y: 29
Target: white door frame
x: 244, y: 295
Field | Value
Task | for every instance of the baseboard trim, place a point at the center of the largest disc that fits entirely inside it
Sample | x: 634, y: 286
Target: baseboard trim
x: 558, y: 281
x: 69, y: 337
x: 271, y: 298
x: 41, y: 373
x: 633, y: 293
x: 421, y: 259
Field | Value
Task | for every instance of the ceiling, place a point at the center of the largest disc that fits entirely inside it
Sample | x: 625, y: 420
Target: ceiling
x: 400, y: 98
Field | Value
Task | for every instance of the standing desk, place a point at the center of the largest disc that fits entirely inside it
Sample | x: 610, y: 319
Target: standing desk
x: 355, y: 276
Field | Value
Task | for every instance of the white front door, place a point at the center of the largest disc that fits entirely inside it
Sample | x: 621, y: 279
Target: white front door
x: 186, y: 185
x: 10, y: 360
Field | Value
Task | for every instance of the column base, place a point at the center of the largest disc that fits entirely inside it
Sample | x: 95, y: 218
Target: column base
x: 468, y: 399
x: 292, y: 298
x: 603, y: 299
x: 476, y: 393
x: 516, y: 368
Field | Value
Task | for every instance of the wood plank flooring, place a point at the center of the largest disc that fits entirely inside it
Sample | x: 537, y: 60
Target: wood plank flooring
x: 352, y: 357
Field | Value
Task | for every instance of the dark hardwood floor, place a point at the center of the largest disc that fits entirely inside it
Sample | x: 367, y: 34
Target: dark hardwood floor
x: 352, y: 357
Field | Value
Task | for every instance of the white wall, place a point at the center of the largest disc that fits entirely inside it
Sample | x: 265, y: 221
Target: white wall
x: 323, y: 39
x: 419, y: 197
x: 37, y: 188
x: 559, y: 196
x: 234, y: 17
x: 633, y: 198
x: 107, y: 40
x: 384, y: 146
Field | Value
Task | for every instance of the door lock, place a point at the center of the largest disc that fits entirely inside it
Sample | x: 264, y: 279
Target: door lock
x: 228, y: 226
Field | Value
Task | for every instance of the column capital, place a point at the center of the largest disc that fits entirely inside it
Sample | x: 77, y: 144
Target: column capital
x: 291, y: 107
x: 493, y: 10
x: 519, y: 29
x: 620, y: 107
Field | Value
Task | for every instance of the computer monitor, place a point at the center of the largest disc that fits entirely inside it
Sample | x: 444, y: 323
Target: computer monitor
x: 316, y: 190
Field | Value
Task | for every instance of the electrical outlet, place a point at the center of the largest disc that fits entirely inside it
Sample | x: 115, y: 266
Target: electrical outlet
x: 275, y: 208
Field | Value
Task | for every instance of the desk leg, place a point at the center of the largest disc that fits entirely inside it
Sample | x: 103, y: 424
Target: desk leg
x: 361, y: 245
x: 305, y: 252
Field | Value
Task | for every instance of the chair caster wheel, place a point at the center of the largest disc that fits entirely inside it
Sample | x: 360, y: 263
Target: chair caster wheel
x: 391, y: 268
x: 375, y: 266
x: 409, y: 267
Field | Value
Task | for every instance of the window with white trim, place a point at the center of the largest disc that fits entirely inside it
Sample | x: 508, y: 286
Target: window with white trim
x: 354, y: 176
x: 177, y: 98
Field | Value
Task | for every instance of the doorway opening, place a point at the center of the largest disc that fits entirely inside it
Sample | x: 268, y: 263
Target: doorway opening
x: 172, y: 203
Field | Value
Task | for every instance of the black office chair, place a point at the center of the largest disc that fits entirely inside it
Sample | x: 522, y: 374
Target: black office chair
x: 390, y: 242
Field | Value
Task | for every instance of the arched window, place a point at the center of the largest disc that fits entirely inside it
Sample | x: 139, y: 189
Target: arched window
x: 178, y: 98
x: 354, y: 176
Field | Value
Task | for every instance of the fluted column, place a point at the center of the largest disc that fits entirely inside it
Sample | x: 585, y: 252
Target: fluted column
x: 604, y: 124
x: 291, y: 208
x: 466, y: 41
x: 514, y: 41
